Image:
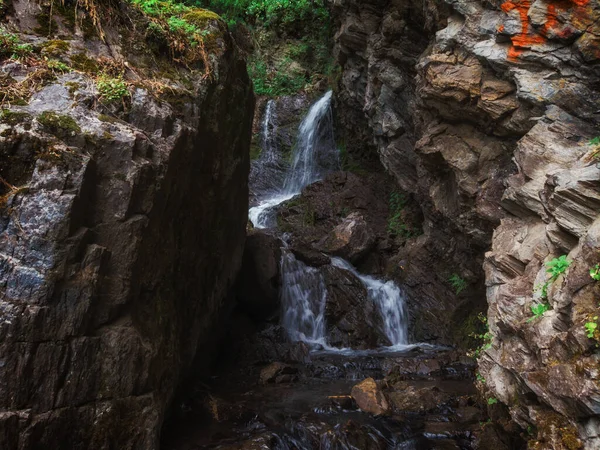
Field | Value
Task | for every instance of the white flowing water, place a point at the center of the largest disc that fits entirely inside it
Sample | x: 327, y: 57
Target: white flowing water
x: 390, y: 301
x: 315, y: 154
x: 303, y: 296
x: 303, y: 290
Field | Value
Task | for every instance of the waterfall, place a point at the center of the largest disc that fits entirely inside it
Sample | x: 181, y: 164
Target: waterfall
x: 314, y: 155
x: 269, y: 134
x: 303, y: 297
x: 389, y: 300
x: 313, y: 149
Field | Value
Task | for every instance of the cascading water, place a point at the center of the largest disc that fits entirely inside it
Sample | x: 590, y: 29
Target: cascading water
x: 388, y: 298
x: 315, y: 154
x: 303, y: 288
x: 303, y: 296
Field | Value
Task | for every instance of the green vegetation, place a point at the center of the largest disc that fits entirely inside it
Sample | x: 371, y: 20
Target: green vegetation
x: 538, y: 311
x: 591, y: 328
x: 112, y: 89
x: 492, y: 401
x: 288, y: 41
x: 284, y: 79
x: 458, y: 283
x: 268, y: 12
x: 396, y: 225
x: 58, y: 124
x: 57, y: 66
x: 12, y: 47
x: 480, y: 378
x: 182, y: 28
x: 595, y: 272
x: 13, y: 117
x: 556, y: 267
x: 485, y: 338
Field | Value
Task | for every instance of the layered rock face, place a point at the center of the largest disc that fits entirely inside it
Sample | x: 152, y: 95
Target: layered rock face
x: 121, y: 232
x: 484, y: 112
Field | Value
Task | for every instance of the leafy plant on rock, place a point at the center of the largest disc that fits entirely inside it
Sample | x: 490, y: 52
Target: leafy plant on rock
x: 458, y: 284
x: 557, y: 267
x: 591, y: 328
x: 538, y: 311
x: 595, y: 272
x: 112, y: 89
x: 485, y: 338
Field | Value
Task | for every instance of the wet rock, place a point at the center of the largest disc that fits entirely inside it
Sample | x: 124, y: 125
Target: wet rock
x: 351, y: 239
x: 278, y: 373
x: 257, y: 289
x: 410, y: 398
x: 369, y: 397
x: 352, y: 318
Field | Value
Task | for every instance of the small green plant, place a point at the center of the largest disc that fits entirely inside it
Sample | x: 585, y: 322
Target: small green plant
x: 492, y: 401
x: 595, y: 272
x: 484, y: 337
x: 112, y: 89
x: 480, y: 378
x: 396, y: 224
x: 57, y: 66
x: 591, y: 328
x: 538, y: 311
x: 12, y: 47
x: 557, y: 267
x: 458, y: 283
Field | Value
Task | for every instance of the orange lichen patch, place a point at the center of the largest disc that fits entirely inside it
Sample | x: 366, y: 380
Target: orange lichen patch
x: 528, y: 35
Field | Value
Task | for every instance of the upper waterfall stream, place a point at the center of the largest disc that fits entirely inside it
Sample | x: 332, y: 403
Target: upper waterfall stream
x: 303, y: 290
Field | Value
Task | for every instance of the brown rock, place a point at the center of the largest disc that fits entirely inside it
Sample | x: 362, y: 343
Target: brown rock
x: 351, y: 239
x: 277, y: 373
x: 370, y: 398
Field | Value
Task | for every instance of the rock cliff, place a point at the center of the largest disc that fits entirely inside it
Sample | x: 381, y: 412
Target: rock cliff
x: 485, y: 114
x: 123, y: 212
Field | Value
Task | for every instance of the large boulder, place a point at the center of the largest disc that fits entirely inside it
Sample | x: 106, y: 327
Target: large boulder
x: 369, y: 397
x: 352, y: 239
x: 122, y: 230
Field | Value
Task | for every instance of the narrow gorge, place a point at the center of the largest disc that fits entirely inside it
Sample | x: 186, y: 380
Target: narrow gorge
x: 297, y: 225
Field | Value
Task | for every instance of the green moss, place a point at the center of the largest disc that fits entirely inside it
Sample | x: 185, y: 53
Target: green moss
x: 255, y: 151
x: 200, y: 17
x: 106, y: 118
x: 58, y: 124
x: 55, y: 47
x: 84, y: 64
x: 73, y: 87
x: 14, y: 117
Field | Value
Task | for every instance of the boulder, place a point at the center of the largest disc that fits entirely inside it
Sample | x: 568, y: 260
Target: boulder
x: 351, y: 240
x: 369, y: 397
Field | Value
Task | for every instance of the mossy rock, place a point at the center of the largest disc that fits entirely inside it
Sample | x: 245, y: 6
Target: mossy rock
x: 83, y: 63
x: 200, y: 17
x: 55, y: 47
x: 14, y: 117
x: 59, y: 125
